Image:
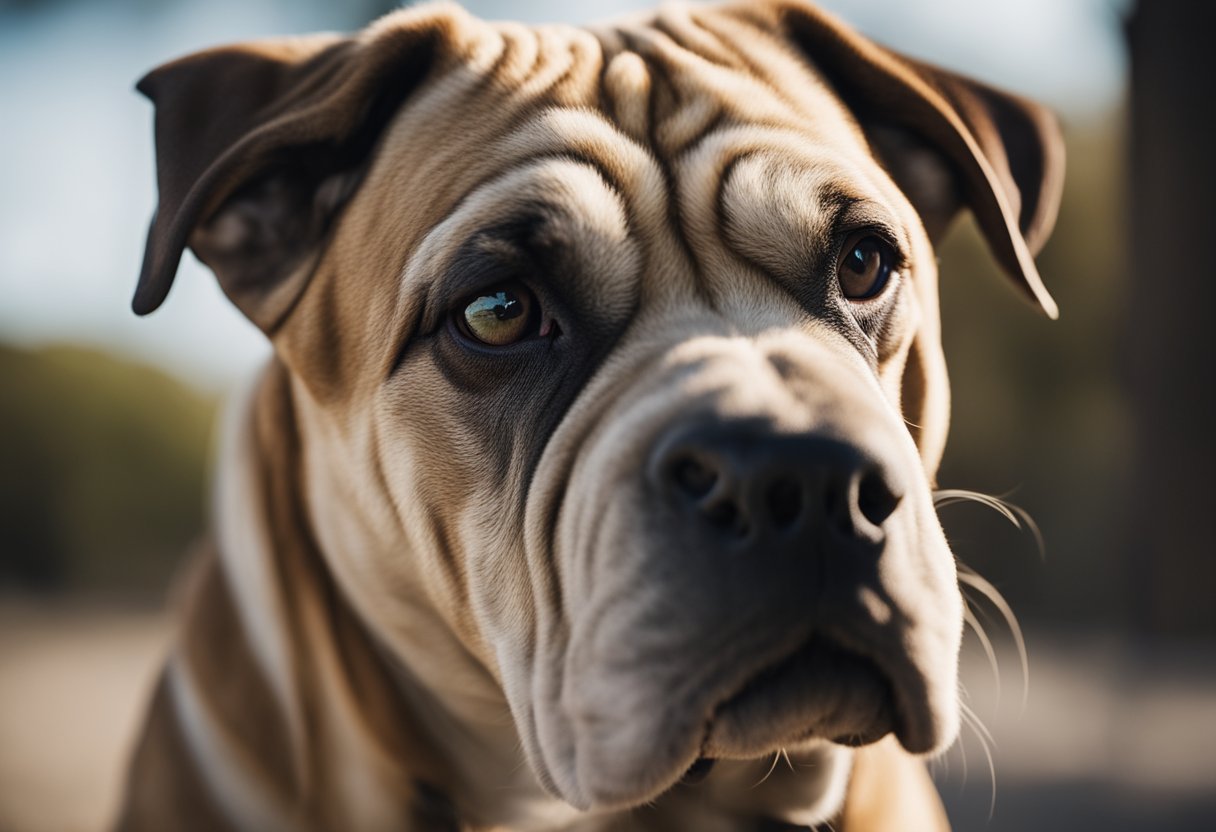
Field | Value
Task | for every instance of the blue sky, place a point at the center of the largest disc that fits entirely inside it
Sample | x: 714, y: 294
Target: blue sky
x: 76, y: 157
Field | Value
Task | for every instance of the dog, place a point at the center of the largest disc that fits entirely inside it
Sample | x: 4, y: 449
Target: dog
x: 589, y: 485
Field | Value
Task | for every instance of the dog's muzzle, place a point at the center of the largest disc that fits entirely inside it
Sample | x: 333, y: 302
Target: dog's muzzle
x: 805, y: 511
x: 742, y: 582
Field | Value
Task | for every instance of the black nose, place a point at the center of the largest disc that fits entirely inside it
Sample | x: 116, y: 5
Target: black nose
x: 745, y: 479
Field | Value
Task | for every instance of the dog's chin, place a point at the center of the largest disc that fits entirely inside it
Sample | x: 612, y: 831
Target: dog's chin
x: 821, y: 693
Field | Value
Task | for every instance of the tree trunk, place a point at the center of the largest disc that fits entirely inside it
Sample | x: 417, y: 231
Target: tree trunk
x: 1171, y: 334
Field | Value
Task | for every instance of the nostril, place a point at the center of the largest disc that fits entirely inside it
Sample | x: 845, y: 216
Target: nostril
x: 725, y: 515
x: 875, y: 497
x: 784, y: 501
x: 698, y: 479
x: 692, y: 477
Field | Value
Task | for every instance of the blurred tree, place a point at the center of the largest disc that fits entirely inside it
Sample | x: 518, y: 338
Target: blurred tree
x: 101, y: 471
x: 1170, y: 348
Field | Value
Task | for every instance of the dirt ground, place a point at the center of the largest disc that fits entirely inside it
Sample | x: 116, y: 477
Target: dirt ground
x: 1111, y: 736
x: 73, y: 682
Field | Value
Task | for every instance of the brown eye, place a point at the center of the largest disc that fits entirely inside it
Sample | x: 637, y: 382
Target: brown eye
x: 865, y: 267
x: 500, y: 316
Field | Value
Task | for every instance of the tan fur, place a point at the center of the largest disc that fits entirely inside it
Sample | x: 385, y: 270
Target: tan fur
x: 432, y: 597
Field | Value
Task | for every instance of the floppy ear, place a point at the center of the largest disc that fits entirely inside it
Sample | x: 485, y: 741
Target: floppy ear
x: 259, y: 145
x: 1006, y: 154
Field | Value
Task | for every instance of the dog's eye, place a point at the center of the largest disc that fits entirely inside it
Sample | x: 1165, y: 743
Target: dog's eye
x: 866, y: 265
x: 499, y: 316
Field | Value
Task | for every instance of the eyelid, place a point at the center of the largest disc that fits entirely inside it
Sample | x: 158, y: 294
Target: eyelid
x: 856, y: 235
x: 856, y: 216
x: 473, y: 272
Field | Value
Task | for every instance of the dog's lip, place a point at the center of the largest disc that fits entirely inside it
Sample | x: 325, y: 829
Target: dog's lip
x: 822, y: 690
x: 826, y: 688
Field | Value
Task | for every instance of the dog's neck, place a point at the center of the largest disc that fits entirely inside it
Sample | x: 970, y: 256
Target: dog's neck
x: 410, y: 709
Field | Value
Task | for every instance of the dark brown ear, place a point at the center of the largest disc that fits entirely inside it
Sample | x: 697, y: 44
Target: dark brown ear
x: 1006, y: 153
x: 260, y: 144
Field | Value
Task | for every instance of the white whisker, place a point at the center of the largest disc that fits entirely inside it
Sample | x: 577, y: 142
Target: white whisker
x: 962, y: 750
x: 1015, y: 514
x: 972, y: 720
x: 972, y: 579
x: 771, y: 769
x: 986, y: 643
x: 969, y: 578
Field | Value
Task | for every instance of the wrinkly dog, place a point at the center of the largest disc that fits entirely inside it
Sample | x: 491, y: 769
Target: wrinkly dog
x: 593, y: 467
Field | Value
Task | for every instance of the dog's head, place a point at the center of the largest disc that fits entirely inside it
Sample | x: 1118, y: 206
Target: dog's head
x: 617, y: 351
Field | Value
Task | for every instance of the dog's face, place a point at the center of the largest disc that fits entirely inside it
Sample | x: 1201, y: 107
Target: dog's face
x: 619, y: 356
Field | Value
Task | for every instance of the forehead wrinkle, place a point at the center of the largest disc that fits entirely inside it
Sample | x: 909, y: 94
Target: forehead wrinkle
x: 511, y: 73
x: 558, y: 64
x: 769, y: 219
x: 786, y: 73
x: 703, y: 173
x: 585, y: 134
x: 734, y: 48
x: 626, y: 90
x: 564, y: 187
x: 775, y: 214
x: 706, y: 74
x: 707, y: 68
x: 683, y: 104
x: 639, y: 175
x: 521, y: 50
x: 679, y: 24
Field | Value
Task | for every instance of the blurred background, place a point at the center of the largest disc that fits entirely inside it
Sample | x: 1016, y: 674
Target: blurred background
x: 1099, y: 425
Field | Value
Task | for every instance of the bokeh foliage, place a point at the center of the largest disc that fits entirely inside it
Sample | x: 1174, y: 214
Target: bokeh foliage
x: 101, y: 471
